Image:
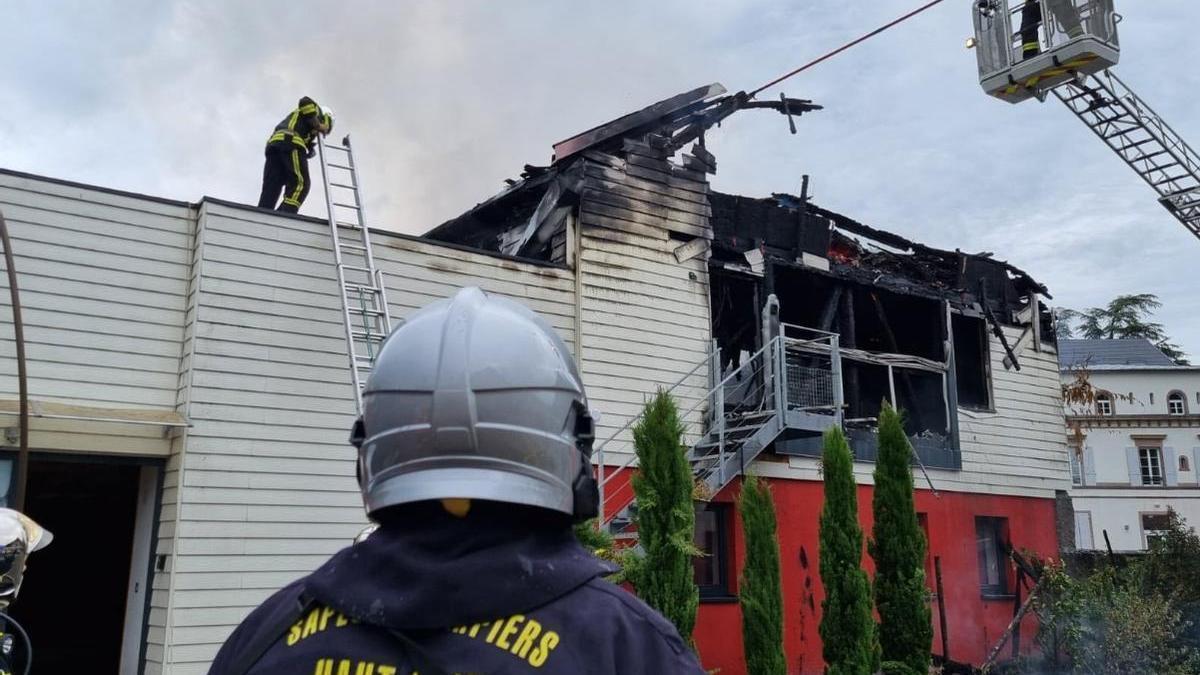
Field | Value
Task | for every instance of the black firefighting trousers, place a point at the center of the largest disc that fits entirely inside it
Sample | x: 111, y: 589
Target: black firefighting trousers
x: 285, y: 170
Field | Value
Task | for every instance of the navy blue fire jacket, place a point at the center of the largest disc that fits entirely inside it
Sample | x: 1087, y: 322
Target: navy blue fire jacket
x: 482, y: 594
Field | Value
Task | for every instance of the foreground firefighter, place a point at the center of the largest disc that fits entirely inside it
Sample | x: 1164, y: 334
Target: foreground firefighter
x: 474, y: 458
x: 19, y: 536
x: 288, y: 150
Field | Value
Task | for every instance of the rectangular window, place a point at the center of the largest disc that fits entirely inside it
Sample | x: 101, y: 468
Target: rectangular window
x: 991, y: 545
x: 1104, y: 406
x: 1155, y: 525
x: 1083, y: 531
x: 971, y: 362
x: 1076, y: 468
x: 712, y: 538
x: 1150, y: 460
x: 1175, y: 405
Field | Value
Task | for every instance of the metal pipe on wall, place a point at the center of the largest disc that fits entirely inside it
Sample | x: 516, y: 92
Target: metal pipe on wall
x: 18, y: 499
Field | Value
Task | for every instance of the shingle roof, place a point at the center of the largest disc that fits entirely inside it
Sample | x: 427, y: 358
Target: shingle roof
x: 1130, y: 352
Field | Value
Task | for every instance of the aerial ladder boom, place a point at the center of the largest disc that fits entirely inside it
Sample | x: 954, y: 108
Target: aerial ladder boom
x: 1031, y: 48
x: 1141, y: 139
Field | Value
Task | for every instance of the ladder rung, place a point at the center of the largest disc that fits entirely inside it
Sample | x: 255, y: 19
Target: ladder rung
x: 359, y: 247
x: 343, y: 185
x: 347, y: 206
x: 350, y: 285
x: 1171, y: 179
x: 349, y: 226
x: 1138, y: 144
x: 368, y: 336
x: 1152, y: 156
x: 1126, y: 132
x: 1107, y: 120
x: 356, y: 268
x: 365, y: 310
x: 338, y: 166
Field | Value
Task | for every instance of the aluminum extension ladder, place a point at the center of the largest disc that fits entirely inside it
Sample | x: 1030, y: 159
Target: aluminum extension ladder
x: 364, y: 299
x: 1142, y: 139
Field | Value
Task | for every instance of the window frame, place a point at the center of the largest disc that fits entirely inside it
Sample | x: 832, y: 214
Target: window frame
x: 1106, y: 398
x: 997, y: 528
x: 1150, y: 457
x: 1177, y: 396
x: 985, y: 356
x: 1075, y: 458
x: 723, y: 590
x: 1148, y: 534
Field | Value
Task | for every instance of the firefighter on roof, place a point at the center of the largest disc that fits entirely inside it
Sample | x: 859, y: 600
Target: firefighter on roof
x: 288, y: 149
x: 474, y: 457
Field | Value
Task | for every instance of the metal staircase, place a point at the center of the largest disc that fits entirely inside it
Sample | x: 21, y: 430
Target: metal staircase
x: 364, y: 299
x: 1142, y: 139
x: 791, y: 384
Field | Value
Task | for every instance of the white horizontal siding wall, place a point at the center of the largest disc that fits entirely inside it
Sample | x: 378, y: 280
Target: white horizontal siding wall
x: 644, y: 314
x: 103, y: 280
x: 418, y: 271
x: 268, y: 488
x: 1020, y: 449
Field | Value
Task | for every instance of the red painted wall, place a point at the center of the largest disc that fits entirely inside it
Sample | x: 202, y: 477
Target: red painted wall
x: 974, y: 623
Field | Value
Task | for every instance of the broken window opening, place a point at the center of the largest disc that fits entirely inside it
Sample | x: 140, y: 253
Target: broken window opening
x: 892, y: 350
x: 972, y: 362
x: 733, y: 307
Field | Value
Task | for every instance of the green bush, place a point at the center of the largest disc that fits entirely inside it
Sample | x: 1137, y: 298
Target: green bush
x: 848, y: 640
x: 898, y: 548
x: 760, y: 592
x: 1123, y: 619
x: 666, y: 517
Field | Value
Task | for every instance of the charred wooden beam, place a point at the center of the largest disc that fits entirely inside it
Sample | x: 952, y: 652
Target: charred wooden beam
x: 995, y: 324
x: 894, y: 347
x: 849, y: 339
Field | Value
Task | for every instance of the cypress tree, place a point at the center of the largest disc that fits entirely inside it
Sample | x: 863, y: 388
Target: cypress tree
x: 847, y: 629
x: 666, y: 517
x: 898, y: 548
x: 760, y: 592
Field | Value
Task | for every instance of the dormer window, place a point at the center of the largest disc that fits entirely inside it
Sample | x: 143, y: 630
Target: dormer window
x: 1176, y: 403
x: 1104, y: 404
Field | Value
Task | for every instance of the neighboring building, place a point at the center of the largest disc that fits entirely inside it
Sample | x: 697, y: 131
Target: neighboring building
x: 1134, y: 450
x: 193, y: 398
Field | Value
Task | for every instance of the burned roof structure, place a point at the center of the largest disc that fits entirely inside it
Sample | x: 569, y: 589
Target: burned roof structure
x: 524, y: 217
x: 914, y: 322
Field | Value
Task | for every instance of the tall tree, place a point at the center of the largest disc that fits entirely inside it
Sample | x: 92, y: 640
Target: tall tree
x: 666, y: 517
x: 1125, y: 316
x: 847, y: 629
x: 760, y: 591
x: 898, y: 548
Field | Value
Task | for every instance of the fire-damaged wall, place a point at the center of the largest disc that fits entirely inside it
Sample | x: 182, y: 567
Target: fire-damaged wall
x: 663, y: 267
x: 931, y: 315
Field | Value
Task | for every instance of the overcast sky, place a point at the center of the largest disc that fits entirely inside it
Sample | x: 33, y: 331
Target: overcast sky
x: 445, y: 99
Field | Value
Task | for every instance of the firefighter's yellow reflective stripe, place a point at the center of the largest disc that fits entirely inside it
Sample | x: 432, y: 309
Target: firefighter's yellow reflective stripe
x: 284, y: 135
x: 308, y: 109
x: 294, y: 200
x: 1028, y: 46
x: 1048, y: 73
x: 293, y: 119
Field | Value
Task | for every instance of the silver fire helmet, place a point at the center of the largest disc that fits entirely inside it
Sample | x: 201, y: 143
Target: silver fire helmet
x: 19, y: 536
x: 476, y: 397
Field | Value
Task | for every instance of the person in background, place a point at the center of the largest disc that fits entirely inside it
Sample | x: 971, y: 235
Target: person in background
x: 288, y: 150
